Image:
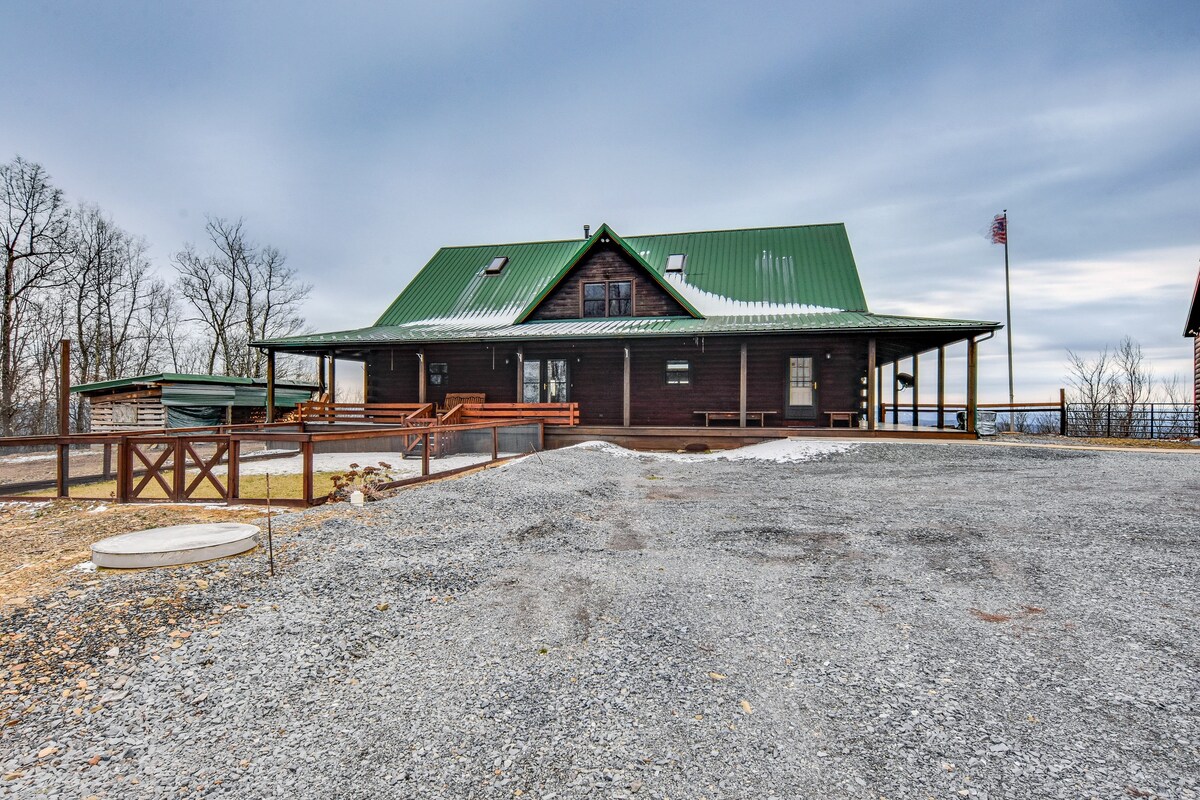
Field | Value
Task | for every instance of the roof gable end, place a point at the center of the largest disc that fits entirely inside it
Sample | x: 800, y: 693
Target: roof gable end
x: 603, y: 235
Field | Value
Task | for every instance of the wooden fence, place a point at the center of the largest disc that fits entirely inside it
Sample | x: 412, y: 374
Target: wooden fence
x: 183, y: 464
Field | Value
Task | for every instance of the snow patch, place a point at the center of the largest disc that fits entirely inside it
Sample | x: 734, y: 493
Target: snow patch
x: 28, y: 458
x: 84, y: 566
x: 714, y: 305
x: 780, y: 451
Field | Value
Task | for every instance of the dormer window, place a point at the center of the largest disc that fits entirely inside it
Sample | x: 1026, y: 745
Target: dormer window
x: 675, y: 262
x: 608, y: 299
x: 496, y: 266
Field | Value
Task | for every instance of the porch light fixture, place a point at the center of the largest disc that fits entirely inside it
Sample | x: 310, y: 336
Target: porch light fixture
x: 496, y: 266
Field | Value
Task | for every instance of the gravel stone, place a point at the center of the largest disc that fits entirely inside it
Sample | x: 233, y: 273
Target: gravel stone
x: 896, y: 620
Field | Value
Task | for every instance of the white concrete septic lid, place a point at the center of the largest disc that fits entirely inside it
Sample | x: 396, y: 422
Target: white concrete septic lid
x: 178, y: 544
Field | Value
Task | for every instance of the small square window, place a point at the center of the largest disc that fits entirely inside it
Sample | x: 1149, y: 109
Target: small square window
x: 496, y: 266
x: 439, y: 374
x: 679, y: 373
x: 675, y: 262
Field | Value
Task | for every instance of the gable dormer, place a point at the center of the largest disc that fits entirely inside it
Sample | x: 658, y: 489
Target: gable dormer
x: 606, y: 280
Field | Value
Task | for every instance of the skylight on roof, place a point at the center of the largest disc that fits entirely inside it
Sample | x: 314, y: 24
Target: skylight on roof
x: 675, y: 262
x: 496, y: 266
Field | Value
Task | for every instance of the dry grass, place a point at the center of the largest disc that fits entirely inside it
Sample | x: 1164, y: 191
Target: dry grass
x: 38, y: 541
x: 286, y: 486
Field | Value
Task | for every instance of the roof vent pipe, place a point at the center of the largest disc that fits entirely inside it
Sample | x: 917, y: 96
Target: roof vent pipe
x: 587, y: 231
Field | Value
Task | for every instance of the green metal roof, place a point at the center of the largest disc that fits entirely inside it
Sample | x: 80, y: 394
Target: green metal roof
x: 175, y: 377
x: 799, y: 278
x: 809, y: 265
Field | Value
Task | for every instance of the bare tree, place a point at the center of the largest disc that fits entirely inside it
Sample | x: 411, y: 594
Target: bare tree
x: 106, y: 298
x: 239, y: 293
x: 34, y: 233
x: 1091, y: 384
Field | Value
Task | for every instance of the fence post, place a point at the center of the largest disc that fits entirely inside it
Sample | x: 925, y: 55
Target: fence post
x: 307, y: 449
x: 231, y: 471
x: 1062, y: 412
x: 1152, y: 436
x: 124, y: 468
x: 425, y: 453
x: 495, y: 443
x: 178, y: 472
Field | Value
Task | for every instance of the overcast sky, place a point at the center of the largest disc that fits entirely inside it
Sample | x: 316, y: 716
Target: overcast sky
x: 359, y: 138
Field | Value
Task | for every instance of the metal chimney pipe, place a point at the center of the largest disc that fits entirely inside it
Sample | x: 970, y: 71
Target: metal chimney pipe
x: 587, y: 231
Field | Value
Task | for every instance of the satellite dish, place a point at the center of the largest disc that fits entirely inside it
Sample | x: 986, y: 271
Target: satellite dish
x: 905, y: 380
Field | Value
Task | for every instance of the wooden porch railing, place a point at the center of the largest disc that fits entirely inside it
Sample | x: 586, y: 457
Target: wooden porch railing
x: 426, y: 414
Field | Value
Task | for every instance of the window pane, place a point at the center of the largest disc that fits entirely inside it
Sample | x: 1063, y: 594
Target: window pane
x: 531, y: 389
x: 593, y: 308
x: 678, y: 373
x: 800, y: 388
x: 619, y: 303
x: 593, y: 291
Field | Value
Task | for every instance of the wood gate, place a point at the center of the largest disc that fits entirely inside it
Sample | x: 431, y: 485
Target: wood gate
x: 168, y: 469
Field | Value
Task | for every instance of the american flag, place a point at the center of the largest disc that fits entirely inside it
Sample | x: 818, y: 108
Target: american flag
x: 1000, y: 229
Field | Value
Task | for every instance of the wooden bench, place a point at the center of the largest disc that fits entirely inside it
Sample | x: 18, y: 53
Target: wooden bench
x: 849, y: 417
x: 735, y: 416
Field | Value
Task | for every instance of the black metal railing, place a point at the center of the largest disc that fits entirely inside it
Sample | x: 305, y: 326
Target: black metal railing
x: 1131, y: 420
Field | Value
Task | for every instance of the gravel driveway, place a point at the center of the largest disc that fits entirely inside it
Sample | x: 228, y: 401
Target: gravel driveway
x: 879, y: 620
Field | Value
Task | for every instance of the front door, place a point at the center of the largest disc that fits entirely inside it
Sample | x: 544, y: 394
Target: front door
x: 546, y: 380
x: 801, y: 391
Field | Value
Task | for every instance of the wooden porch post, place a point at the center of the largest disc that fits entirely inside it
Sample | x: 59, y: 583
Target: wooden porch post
x: 972, y: 383
x: 627, y: 391
x: 332, y: 382
x: 872, y: 386
x: 320, y: 376
x: 941, y: 387
x: 421, y: 377
x: 879, y: 390
x: 520, y: 375
x: 742, y: 381
x: 896, y: 392
x: 916, y: 406
x: 270, y: 385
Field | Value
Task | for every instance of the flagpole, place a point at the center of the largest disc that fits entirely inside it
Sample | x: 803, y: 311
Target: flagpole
x: 1008, y: 328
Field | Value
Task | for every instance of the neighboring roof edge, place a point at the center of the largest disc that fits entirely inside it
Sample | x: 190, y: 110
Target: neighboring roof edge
x: 1192, y: 328
x: 180, y: 377
x: 579, y: 254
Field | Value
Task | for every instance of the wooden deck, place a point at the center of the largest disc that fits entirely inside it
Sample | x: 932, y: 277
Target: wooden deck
x: 725, y: 438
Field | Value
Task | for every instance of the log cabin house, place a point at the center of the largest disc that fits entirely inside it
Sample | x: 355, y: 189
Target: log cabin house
x: 757, y: 327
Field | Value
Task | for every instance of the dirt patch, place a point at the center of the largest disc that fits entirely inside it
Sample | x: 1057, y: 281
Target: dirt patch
x: 39, y: 541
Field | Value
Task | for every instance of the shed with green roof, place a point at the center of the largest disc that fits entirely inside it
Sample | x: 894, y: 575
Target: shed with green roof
x: 768, y: 324
x: 177, y: 400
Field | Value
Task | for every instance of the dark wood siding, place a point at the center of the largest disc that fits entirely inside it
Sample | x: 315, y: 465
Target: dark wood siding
x: 393, y: 376
x: 607, y: 262
x: 597, y: 375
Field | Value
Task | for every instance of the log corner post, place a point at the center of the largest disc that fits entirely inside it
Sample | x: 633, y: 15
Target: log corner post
x: 1062, y: 412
